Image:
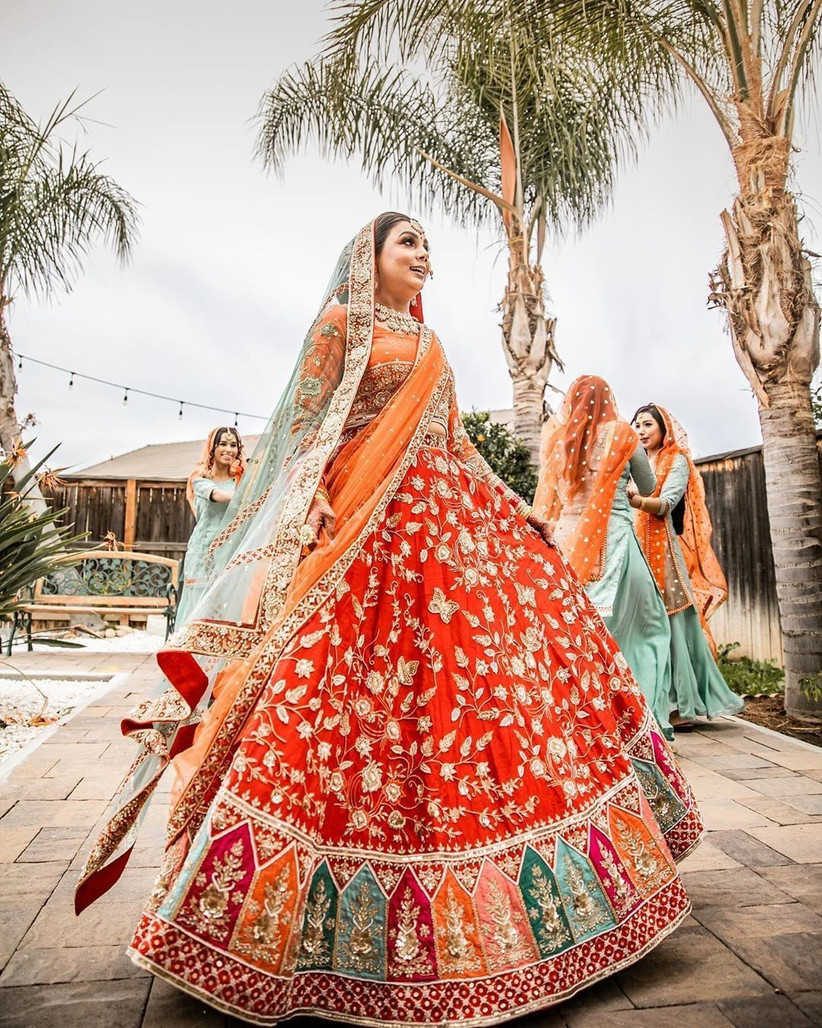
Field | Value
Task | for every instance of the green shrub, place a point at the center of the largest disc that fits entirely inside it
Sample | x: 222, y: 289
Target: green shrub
x: 506, y: 455
x: 750, y: 677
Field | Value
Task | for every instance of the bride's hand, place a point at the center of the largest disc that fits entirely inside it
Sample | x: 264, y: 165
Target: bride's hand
x: 542, y: 526
x: 321, y: 516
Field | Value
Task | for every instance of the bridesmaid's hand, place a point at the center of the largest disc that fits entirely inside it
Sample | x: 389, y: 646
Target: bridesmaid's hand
x: 542, y: 526
x: 321, y: 516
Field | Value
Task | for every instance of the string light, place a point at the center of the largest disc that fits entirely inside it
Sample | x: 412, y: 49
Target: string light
x: 141, y: 392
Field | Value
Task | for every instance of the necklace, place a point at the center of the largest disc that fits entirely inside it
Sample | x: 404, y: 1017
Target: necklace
x: 397, y: 321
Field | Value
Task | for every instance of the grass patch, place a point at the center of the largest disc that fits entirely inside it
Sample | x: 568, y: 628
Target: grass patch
x: 750, y: 677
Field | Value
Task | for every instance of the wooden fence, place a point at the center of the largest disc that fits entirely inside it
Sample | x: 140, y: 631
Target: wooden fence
x: 150, y: 517
x: 154, y: 517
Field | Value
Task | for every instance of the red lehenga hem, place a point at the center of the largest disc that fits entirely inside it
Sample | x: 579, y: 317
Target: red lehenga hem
x: 193, y: 967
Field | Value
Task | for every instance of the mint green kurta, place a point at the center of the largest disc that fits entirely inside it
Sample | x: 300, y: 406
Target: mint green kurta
x: 697, y: 686
x: 626, y: 595
x: 209, y: 514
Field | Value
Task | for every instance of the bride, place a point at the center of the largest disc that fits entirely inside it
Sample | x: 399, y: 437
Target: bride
x: 414, y: 780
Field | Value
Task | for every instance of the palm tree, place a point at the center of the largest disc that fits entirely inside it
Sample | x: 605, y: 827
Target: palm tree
x: 750, y: 62
x: 53, y: 205
x: 490, y: 134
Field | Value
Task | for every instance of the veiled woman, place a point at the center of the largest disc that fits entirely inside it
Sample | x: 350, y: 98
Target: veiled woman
x: 689, y: 576
x: 589, y: 457
x: 415, y: 782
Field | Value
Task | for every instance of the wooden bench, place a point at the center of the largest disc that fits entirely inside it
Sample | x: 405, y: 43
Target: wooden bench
x: 122, y: 583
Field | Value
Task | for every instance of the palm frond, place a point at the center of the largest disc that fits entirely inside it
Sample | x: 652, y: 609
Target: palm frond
x: 54, y: 203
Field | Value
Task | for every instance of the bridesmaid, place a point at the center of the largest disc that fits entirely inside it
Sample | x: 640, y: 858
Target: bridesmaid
x: 674, y: 530
x: 589, y: 456
x: 210, y: 488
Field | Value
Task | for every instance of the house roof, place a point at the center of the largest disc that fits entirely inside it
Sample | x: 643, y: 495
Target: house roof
x: 161, y: 462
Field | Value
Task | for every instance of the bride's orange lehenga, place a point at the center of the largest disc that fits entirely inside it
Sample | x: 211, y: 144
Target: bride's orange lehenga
x: 433, y: 793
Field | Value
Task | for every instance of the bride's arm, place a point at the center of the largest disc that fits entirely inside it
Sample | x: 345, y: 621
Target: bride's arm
x: 469, y: 455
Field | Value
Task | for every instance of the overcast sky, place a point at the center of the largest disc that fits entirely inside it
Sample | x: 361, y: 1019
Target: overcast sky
x: 231, y: 263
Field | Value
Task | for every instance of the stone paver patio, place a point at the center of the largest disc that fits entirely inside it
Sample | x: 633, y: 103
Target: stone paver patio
x: 751, y: 954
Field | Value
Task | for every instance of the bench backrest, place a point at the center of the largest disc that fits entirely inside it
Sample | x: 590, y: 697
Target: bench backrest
x: 101, y: 573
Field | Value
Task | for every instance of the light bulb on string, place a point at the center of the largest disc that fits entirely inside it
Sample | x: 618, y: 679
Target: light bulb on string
x: 235, y: 418
x: 125, y: 397
x: 19, y: 363
x: 71, y: 380
x: 180, y: 412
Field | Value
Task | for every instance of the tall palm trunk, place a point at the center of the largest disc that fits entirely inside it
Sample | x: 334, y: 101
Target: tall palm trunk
x: 528, y: 342
x: 764, y: 281
x: 11, y: 431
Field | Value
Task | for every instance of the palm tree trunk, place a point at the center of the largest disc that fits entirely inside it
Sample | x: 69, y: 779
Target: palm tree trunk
x: 764, y: 282
x: 11, y: 431
x: 528, y: 343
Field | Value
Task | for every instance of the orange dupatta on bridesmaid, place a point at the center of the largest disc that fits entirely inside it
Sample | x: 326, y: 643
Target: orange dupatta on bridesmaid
x: 708, y: 582
x: 585, y: 447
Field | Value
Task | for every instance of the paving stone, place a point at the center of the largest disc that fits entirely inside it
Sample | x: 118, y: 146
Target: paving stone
x: 735, y: 888
x: 31, y: 880
x: 780, y: 811
x: 746, y: 774
x: 170, y: 1008
x: 13, y: 840
x: 802, y: 843
x: 90, y: 1004
x: 690, y: 964
x: 801, y: 881
x: 787, y: 785
x: 747, y: 850
x: 102, y: 924
x: 66, y: 734
x: 719, y: 814
x: 763, y: 1012
x: 95, y: 787
x: 16, y: 917
x: 809, y: 1003
x: 708, y: 857
x: 790, y: 962
x: 52, y: 814
x: 590, y: 1004
x: 800, y: 759
x: 692, y: 1015
x: 74, y: 964
x: 43, y: 788
x: 36, y: 765
x: 53, y: 844
x: 756, y: 922
x: 732, y: 760
x: 806, y: 804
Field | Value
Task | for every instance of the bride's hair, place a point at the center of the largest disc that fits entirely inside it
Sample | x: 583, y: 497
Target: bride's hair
x: 383, y: 225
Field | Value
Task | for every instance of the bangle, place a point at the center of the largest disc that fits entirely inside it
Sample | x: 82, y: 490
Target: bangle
x: 642, y: 503
x: 524, y: 510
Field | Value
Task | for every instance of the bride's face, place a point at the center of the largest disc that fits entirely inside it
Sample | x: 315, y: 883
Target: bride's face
x: 403, y: 264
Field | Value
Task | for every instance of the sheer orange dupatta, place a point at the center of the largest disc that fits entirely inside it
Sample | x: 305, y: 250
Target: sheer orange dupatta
x: 708, y: 582
x: 359, y: 478
x: 585, y: 447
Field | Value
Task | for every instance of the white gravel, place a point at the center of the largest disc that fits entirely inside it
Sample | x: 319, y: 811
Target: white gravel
x: 20, y: 701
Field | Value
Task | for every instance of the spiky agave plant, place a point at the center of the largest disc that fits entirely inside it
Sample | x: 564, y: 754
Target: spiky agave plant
x: 32, y: 542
